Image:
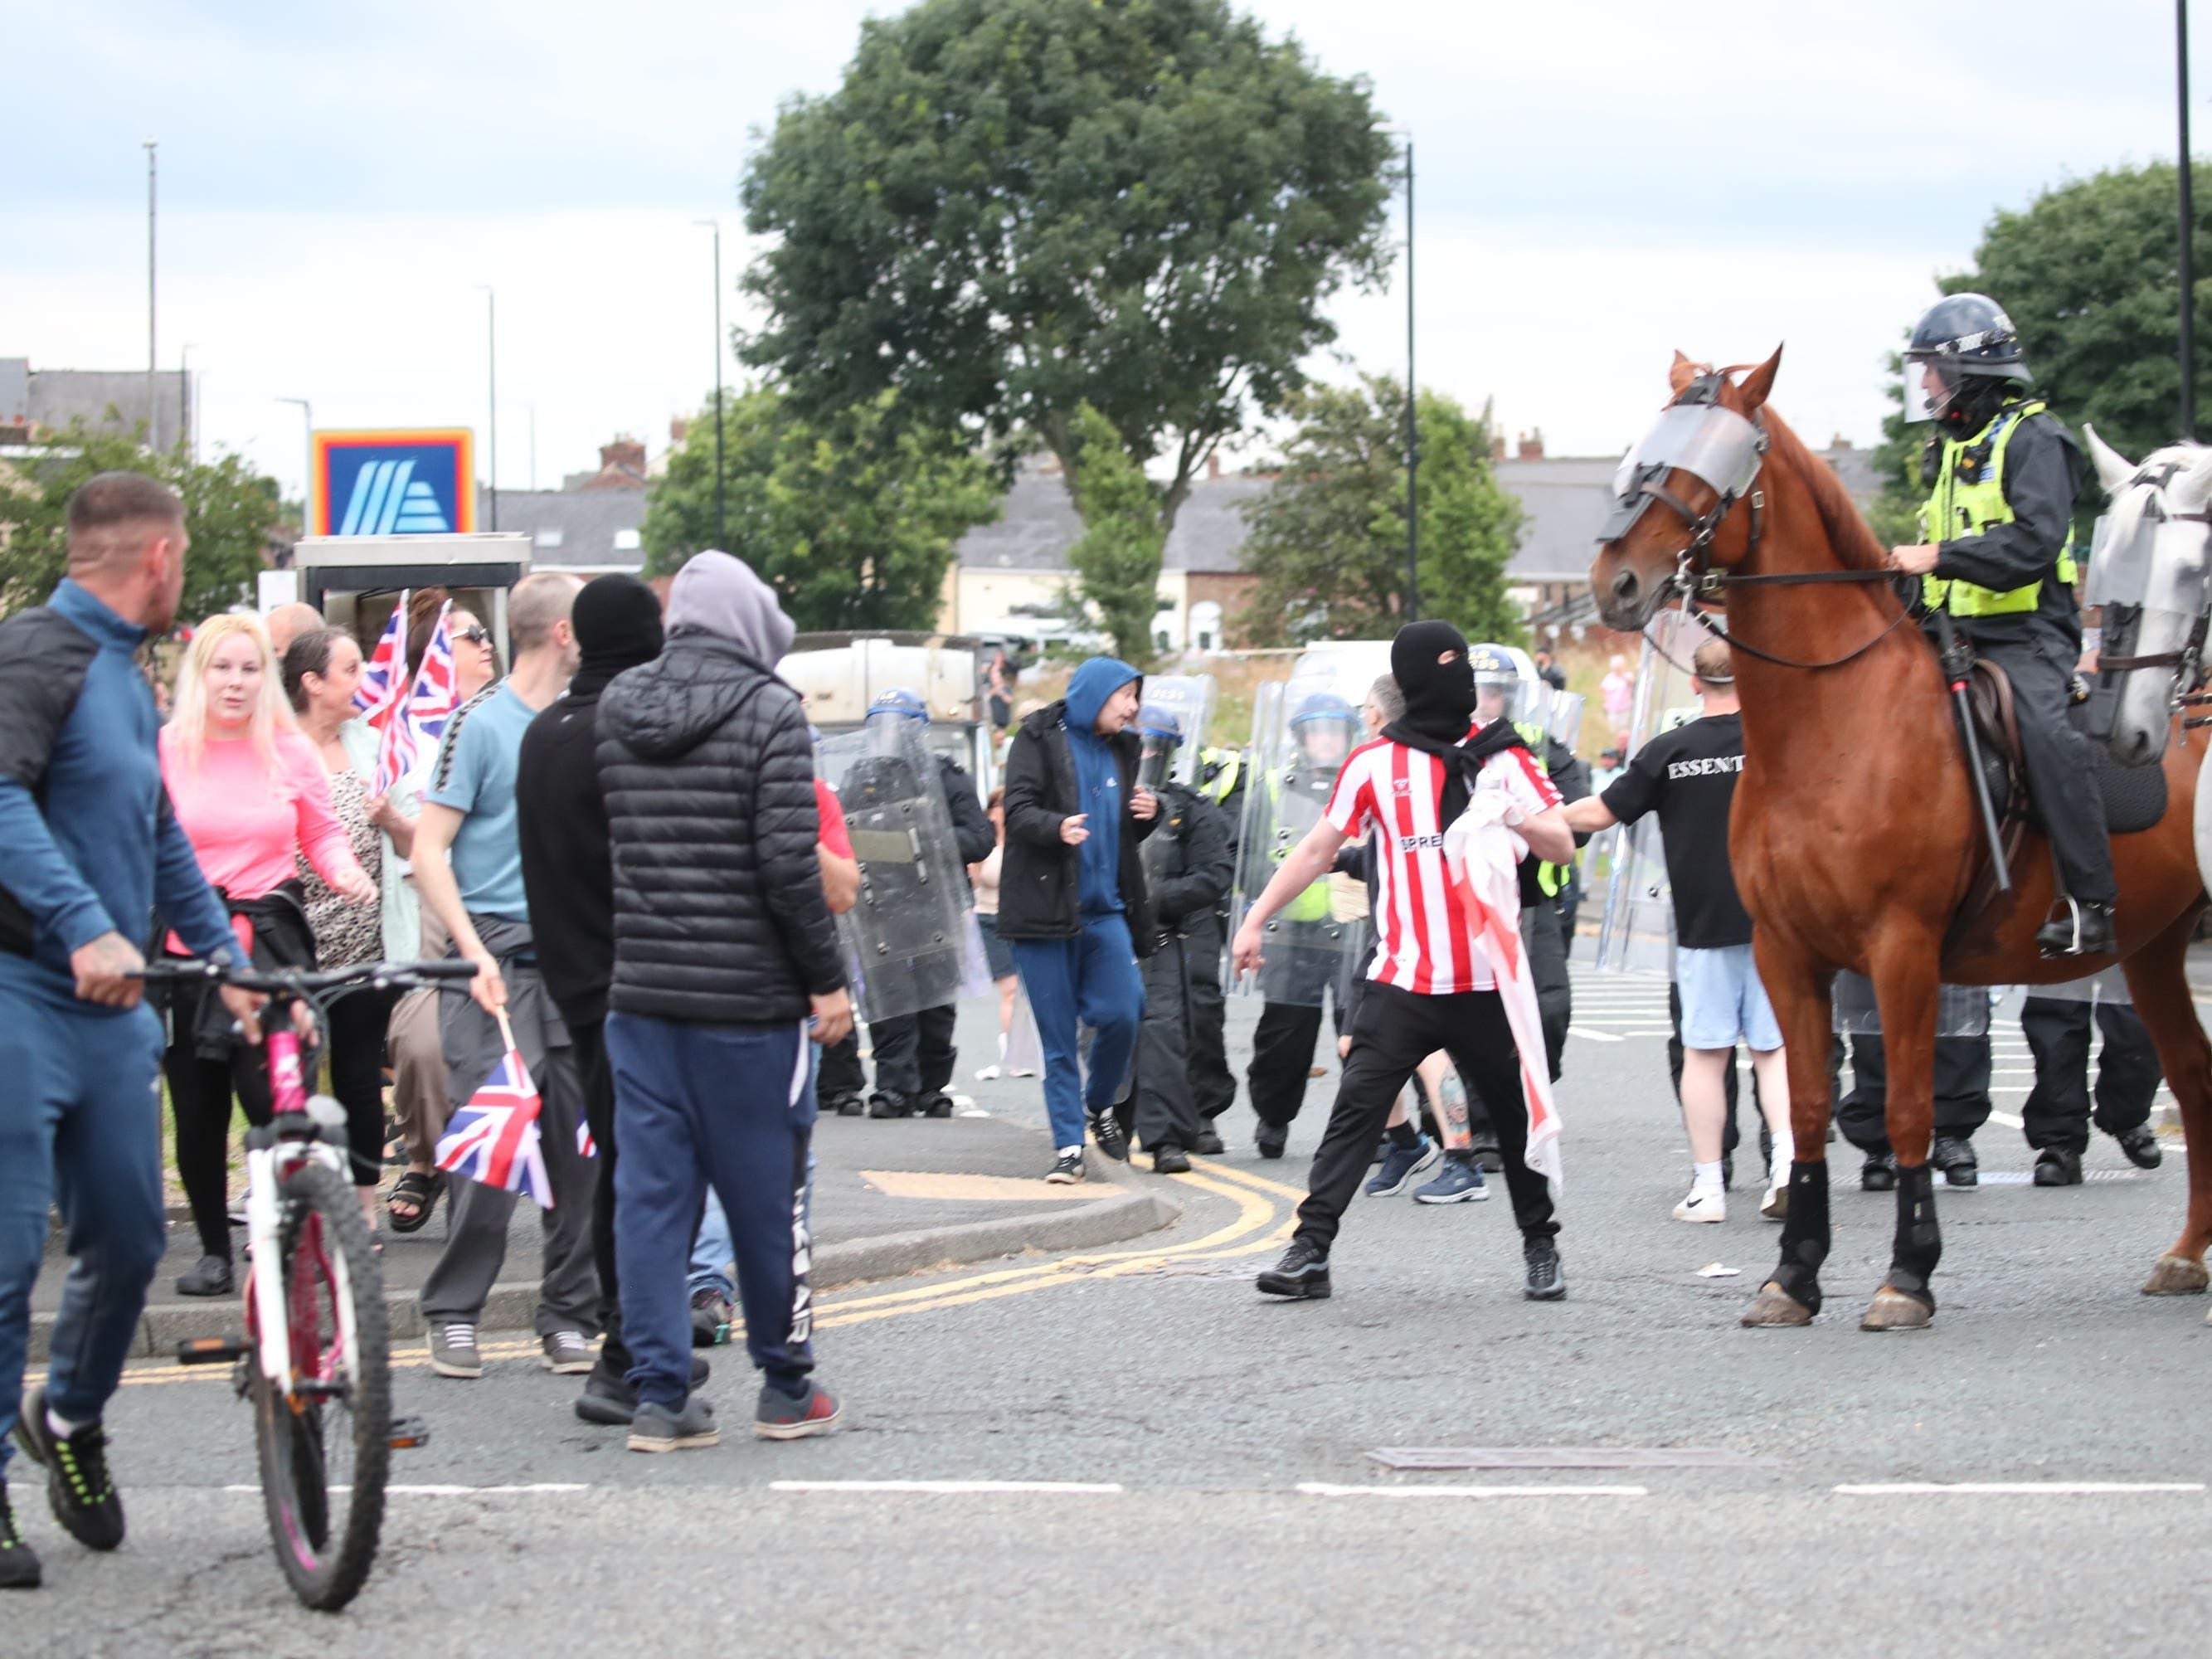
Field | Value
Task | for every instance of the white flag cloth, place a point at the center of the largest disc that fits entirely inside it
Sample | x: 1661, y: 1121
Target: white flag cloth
x: 1480, y: 855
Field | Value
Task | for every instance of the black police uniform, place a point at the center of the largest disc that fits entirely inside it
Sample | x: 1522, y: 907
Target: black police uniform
x: 2057, y: 1113
x: 1187, y: 867
x: 1284, y: 1038
x: 1205, y: 936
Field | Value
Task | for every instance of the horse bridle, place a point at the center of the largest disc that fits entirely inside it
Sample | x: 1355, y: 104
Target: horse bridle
x: 2193, y: 648
x: 1694, y: 578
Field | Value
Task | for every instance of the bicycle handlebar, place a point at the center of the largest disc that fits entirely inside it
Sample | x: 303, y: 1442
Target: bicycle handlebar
x: 302, y: 983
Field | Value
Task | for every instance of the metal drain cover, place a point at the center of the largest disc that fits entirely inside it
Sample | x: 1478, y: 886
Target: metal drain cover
x: 1568, y: 1457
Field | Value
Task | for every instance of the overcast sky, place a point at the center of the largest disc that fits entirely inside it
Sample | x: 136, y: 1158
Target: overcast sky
x: 1600, y: 181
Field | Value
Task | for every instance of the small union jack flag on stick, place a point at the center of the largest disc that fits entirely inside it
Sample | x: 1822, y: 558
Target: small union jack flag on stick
x: 384, y: 675
x: 494, y: 1139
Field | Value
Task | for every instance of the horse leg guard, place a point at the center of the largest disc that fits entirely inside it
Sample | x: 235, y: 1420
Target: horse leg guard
x: 1792, y: 1295
x: 1905, y: 1301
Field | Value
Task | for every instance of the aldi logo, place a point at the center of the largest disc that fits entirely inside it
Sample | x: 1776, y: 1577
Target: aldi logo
x: 406, y: 482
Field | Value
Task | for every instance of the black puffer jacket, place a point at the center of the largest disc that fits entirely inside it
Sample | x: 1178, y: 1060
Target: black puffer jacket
x: 1040, y: 878
x: 709, y: 778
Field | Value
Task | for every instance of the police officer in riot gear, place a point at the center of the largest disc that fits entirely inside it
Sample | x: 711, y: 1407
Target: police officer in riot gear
x: 914, y: 1054
x: 2002, y: 474
x: 1221, y: 777
x: 1188, y: 870
x: 1325, y: 727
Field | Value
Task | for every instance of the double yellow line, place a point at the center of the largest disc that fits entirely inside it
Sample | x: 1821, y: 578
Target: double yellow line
x: 1262, y: 1223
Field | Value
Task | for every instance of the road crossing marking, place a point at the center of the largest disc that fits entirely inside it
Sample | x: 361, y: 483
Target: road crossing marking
x: 957, y: 1488
x: 1324, y: 1489
x: 532, y: 1489
x: 2018, y: 1488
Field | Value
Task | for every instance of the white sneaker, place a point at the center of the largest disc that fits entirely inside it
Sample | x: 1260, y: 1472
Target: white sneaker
x: 1775, y: 1206
x: 1704, y: 1204
x: 988, y: 1074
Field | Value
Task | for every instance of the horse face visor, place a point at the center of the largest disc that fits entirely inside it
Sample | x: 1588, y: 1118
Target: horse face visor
x: 1714, y: 445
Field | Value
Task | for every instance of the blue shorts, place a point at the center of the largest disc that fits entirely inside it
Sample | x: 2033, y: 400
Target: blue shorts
x: 998, y: 954
x: 1723, y: 1001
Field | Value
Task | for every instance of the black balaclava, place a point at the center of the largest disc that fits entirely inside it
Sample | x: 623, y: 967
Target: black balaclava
x: 617, y: 623
x: 1430, y: 663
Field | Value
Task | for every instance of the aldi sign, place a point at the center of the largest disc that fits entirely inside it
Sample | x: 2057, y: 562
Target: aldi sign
x: 395, y: 484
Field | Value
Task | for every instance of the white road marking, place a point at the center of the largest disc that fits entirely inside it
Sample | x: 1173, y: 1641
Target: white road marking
x: 1323, y: 1489
x: 2007, y: 1118
x: 530, y: 1489
x: 2020, y: 1487
x: 1069, y: 1488
x: 1594, y: 1036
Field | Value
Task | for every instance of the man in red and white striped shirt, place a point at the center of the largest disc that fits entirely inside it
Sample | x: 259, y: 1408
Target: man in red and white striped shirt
x: 1431, y: 985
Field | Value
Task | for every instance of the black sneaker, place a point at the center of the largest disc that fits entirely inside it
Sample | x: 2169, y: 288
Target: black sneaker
x: 937, y: 1105
x: 19, y: 1564
x: 210, y: 1276
x: 1302, y: 1275
x: 2058, y: 1166
x: 883, y: 1105
x: 1209, y: 1145
x: 1170, y: 1160
x: 609, y: 1400
x: 78, y: 1488
x: 710, y: 1318
x: 1270, y: 1138
x: 1955, y: 1159
x: 2077, y: 929
x: 844, y: 1106
x: 1546, y: 1281
x: 1067, y: 1168
x: 1879, y: 1174
x: 668, y: 1428
x: 1106, y: 1132
x: 1487, y: 1154
x: 2141, y: 1144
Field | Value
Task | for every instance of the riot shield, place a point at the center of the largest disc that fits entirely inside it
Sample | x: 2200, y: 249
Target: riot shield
x: 1190, y: 698
x: 1636, y: 933
x: 906, y: 940
x: 1305, y: 943
x: 1563, y: 719
x: 1961, y: 1011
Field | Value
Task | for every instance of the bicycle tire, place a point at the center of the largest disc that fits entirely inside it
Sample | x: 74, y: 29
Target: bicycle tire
x: 325, y: 1548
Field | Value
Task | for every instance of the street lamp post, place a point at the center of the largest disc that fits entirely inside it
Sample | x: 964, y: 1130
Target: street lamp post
x: 308, y: 478
x: 2188, y: 226
x: 153, y: 363
x: 1412, y: 420
x: 491, y: 376
x: 721, y: 522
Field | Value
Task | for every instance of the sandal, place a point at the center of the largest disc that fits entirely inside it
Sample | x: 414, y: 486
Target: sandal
x: 417, y: 1187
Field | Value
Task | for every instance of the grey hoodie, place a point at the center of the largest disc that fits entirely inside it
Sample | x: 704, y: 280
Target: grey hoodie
x: 716, y: 595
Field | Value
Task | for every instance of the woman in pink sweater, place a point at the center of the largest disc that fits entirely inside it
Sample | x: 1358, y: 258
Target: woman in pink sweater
x: 250, y: 794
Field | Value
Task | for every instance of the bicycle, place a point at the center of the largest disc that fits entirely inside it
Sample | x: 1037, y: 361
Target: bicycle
x: 315, y: 1356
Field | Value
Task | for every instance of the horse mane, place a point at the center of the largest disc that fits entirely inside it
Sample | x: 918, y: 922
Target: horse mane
x: 1856, y: 546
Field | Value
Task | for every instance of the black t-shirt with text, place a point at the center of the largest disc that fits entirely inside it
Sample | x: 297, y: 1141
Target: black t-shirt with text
x: 1688, y: 777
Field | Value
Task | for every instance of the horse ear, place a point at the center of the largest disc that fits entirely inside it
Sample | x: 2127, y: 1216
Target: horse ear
x: 1760, y: 382
x: 2114, y: 469
x: 2192, y: 490
x: 1681, y: 373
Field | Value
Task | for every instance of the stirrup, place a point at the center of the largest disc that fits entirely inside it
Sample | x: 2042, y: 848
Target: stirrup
x: 2052, y: 947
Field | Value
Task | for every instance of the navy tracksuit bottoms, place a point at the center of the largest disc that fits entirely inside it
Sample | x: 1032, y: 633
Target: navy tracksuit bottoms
x: 732, y: 1106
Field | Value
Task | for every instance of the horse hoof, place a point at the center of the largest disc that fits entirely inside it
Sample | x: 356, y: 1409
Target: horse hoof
x: 1893, y: 1311
x: 1775, y: 1306
x: 2177, y: 1275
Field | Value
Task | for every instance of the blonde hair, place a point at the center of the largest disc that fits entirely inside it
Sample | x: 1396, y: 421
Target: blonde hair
x: 189, y: 721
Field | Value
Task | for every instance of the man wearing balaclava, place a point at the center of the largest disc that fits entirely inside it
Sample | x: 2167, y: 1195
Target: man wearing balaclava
x: 1430, y: 984
x: 726, y: 965
x: 561, y: 819
x: 1072, y: 897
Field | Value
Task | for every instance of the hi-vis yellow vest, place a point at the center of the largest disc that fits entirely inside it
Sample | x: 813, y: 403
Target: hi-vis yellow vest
x: 1961, y: 508
x: 1550, y: 878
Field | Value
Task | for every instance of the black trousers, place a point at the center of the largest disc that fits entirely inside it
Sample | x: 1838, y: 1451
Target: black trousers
x: 1212, y: 1084
x: 1282, y: 1054
x: 1165, y: 1105
x: 588, y: 1043
x: 200, y: 1094
x: 841, y: 1078
x: 914, y: 1053
x: 2041, y: 668
x: 357, y: 1021
x: 1962, y: 1091
x: 2057, y: 1112
x: 1392, y: 1032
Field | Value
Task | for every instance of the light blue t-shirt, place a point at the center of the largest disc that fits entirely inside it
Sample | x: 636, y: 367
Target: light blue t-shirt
x: 475, y: 774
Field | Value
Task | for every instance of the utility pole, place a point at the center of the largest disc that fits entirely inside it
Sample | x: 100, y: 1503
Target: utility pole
x: 491, y: 375
x: 153, y: 363
x: 2188, y: 227
x: 722, y: 522
x: 307, y: 478
x: 1412, y: 420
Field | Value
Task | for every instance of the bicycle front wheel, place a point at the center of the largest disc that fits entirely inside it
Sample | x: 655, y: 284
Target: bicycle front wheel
x: 326, y: 1446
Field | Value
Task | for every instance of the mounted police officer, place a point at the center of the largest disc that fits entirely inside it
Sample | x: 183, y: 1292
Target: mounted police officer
x: 914, y: 1052
x: 2002, y: 475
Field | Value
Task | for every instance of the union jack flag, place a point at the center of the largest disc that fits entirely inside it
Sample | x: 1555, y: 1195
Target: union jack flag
x: 421, y: 719
x: 494, y: 1139
x: 383, y: 674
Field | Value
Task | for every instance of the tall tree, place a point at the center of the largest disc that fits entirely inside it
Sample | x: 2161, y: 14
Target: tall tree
x: 2090, y: 275
x: 1117, y: 557
x: 1329, y: 540
x: 851, y: 519
x: 1012, y: 208
x: 230, y: 512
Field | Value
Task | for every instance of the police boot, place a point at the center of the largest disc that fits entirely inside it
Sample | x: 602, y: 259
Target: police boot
x: 2076, y: 928
x: 1879, y: 1175
x: 2058, y: 1166
x: 1955, y: 1157
x: 883, y: 1103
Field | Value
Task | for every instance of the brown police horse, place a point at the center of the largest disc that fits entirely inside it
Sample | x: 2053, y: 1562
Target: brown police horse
x: 1856, y: 838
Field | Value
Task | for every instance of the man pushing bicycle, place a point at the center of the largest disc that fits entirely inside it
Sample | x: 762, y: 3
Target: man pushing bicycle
x: 88, y: 851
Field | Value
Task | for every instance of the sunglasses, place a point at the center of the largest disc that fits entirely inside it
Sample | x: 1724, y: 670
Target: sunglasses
x: 475, y: 635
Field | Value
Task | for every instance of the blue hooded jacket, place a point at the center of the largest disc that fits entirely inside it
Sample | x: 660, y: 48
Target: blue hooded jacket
x: 1100, y: 783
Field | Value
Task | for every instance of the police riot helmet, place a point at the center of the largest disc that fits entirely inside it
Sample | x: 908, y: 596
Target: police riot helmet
x: 1499, y: 689
x: 899, y: 704
x: 1963, y: 356
x: 1162, y: 732
x: 1324, y: 713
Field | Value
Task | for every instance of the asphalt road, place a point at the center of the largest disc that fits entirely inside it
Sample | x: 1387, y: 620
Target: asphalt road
x: 1202, y: 1457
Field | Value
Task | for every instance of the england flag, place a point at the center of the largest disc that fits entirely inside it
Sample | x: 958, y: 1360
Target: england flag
x: 494, y: 1139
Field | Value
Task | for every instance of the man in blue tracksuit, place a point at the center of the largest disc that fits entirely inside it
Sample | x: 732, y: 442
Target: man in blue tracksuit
x: 88, y: 849
x: 1071, y: 898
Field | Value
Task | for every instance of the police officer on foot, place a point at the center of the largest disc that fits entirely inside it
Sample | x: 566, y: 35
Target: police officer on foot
x: 2056, y: 1119
x: 2002, y: 475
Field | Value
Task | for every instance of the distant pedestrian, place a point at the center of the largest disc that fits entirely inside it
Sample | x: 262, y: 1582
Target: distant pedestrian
x: 468, y: 869
x: 1617, y: 691
x: 1000, y: 679
x: 724, y: 955
x: 286, y: 622
x: 1072, y: 900
x: 1548, y: 670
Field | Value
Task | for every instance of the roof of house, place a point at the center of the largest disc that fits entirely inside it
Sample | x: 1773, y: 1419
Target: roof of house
x: 580, y: 529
